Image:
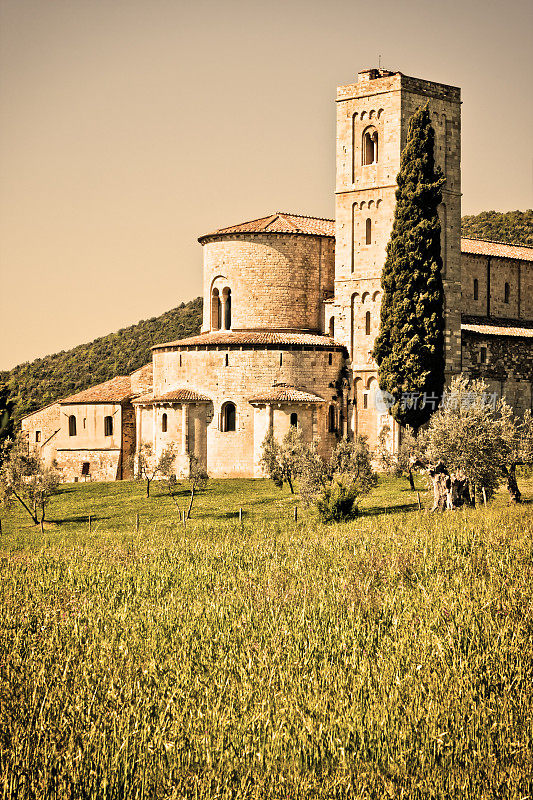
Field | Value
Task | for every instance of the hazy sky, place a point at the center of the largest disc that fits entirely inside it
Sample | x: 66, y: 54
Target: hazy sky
x: 128, y: 128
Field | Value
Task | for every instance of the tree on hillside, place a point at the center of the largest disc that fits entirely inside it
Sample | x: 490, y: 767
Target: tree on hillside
x: 6, y: 421
x: 409, y: 348
x: 512, y: 227
x: 25, y: 478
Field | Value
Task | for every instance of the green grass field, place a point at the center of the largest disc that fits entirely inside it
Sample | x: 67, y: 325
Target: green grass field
x: 388, y: 657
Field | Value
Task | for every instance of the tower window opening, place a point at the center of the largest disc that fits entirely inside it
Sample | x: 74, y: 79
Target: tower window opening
x: 330, y: 359
x: 228, y: 417
x: 368, y: 231
x: 367, y: 323
x: 365, y: 400
x: 476, y: 289
x: 507, y: 293
x: 483, y: 355
x: 108, y: 426
x: 281, y: 359
x: 72, y: 425
x: 180, y: 360
x: 370, y: 146
x: 84, y: 423
x: 294, y: 420
x: 226, y: 295
x: 37, y: 436
x: 332, y: 422
x: 164, y: 423
x: 215, y: 310
x: 332, y: 327
x: 226, y: 360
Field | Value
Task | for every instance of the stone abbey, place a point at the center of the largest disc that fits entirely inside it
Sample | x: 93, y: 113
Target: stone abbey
x: 291, y: 310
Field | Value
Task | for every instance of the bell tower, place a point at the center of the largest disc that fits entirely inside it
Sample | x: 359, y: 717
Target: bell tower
x: 372, y: 122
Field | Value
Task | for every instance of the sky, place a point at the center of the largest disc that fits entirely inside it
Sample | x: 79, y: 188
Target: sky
x: 128, y: 128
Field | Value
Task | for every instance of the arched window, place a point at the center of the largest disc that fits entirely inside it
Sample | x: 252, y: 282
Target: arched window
x: 164, y: 423
x: 294, y: 420
x: 37, y: 436
x: 367, y: 323
x: 370, y: 146
x: 507, y: 293
x: 332, y: 422
x: 330, y: 359
x: 215, y: 310
x: 476, y: 289
x: 226, y: 296
x: 228, y: 417
x: 108, y: 426
x: 332, y: 327
x: 72, y: 425
x: 369, y: 231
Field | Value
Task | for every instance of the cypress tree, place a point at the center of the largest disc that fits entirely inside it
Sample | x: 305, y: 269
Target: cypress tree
x: 409, y: 348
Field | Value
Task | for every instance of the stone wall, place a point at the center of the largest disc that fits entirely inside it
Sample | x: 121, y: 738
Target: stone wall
x: 507, y: 366
x: 42, y: 429
x: 248, y: 372
x: 277, y: 281
x: 103, y: 465
x: 495, y: 272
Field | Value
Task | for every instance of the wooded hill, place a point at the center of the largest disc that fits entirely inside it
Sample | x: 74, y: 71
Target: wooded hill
x: 36, y: 384
x: 512, y: 227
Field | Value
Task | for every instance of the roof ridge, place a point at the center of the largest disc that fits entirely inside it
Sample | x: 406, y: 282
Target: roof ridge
x: 304, y: 216
x: 286, y: 218
x: 496, y: 241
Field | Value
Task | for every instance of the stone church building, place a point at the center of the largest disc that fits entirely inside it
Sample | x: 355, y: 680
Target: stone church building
x: 291, y: 310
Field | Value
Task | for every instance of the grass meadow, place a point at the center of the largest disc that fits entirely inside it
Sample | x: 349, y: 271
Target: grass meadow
x: 391, y: 657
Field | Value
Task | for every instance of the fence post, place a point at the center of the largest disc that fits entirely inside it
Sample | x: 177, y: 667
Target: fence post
x: 296, y: 513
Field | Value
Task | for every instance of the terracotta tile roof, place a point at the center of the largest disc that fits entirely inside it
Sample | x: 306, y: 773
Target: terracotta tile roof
x: 483, y: 247
x: 280, y: 222
x: 253, y: 338
x: 284, y: 393
x: 114, y: 391
x: 145, y: 372
x: 176, y: 396
x: 497, y: 330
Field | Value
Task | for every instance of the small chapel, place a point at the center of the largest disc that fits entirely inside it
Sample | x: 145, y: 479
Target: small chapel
x: 291, y: 310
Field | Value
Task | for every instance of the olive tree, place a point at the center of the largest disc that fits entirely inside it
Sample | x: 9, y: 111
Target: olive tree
x: 25, y: 478
x: 149, y: 467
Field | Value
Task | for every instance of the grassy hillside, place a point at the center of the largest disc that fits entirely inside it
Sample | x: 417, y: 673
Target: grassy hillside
x: 390, y: 657
x: 513, y: 227
x: 33, y: 385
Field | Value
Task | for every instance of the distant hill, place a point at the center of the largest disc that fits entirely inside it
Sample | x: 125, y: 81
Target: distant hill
x: 36, y: 384
x: 512, y: 227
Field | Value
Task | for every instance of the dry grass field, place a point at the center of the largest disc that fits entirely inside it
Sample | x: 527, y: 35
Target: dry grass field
x: 391, y: 657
